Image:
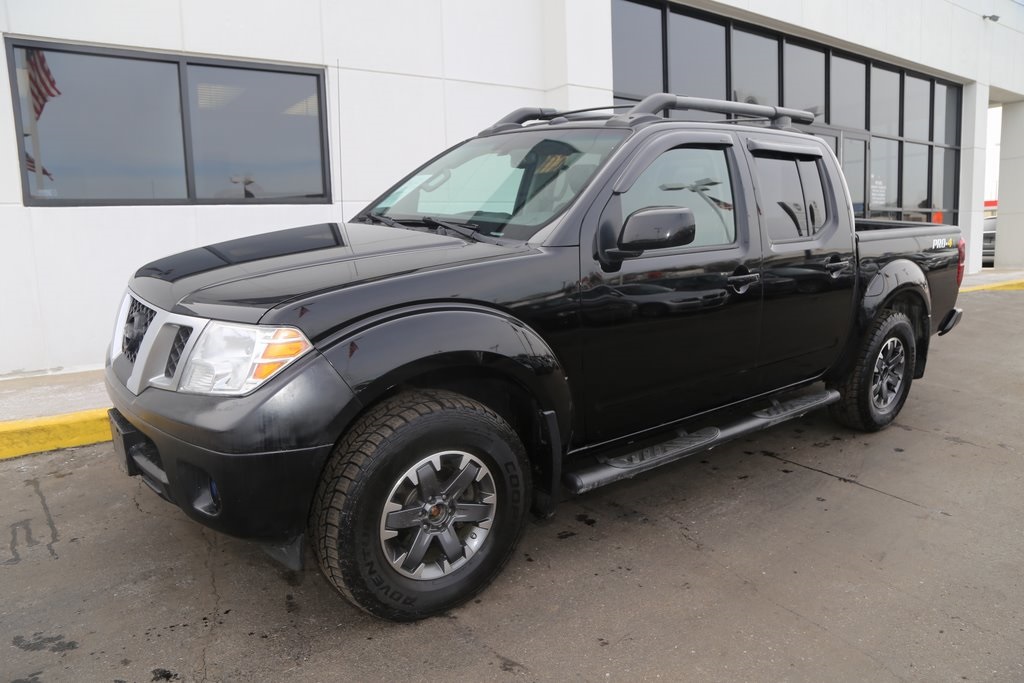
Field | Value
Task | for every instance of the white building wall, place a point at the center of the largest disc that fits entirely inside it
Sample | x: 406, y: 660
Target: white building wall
x: 404, y: 80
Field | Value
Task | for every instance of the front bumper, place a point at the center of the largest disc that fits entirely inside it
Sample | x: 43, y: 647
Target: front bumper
x: 246, y: 466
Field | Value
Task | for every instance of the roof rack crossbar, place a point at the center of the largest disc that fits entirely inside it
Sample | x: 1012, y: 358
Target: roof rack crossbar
x: 780, y: 117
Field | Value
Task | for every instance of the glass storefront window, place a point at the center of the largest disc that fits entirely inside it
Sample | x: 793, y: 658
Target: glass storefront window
x: 847, y: 93
x: 915, y: 176
x: 99, y: 128
x: 947, y: 114
x: 696, y: 60
x: 255, y: 134
x: 853, y: 168
x: 885, y: 102
x: 906, y: 166
x: 804, y: 79
x: 636, y: 49
x: 884, y: 175
x: 916, y: 105
x: 103, y: 127
x: 755, y: 68
x: 944, y: 165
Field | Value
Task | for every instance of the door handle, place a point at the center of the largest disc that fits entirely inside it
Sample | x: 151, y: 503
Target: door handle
x: 836, y: 267
x: 740, y: 283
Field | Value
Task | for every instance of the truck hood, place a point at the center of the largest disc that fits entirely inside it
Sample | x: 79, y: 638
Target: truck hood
x: 240, y: 280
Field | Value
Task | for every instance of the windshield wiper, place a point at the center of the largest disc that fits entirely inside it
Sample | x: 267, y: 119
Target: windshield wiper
x: 470, y: 232
x: 384, y: 220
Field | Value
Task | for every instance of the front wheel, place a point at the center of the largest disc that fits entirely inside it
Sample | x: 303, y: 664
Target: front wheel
x: 876, y: 387
x: 420, y: 505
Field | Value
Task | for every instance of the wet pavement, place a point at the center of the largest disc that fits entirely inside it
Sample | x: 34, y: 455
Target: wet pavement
x: 807, y: 553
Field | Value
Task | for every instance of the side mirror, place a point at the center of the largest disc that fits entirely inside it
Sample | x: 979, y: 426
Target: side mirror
x: 655, y: 228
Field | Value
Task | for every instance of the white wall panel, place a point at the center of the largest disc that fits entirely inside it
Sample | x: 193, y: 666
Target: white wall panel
x: 83, y: 258
x: 902, y: 27
x: 587, y: 37
x: 494, y: 42
x: 401, y: 36
x: 389, y: 125
x: 471, y: 107
x: 262, y: 29
x: 22, y: 346
x: 111, y: 22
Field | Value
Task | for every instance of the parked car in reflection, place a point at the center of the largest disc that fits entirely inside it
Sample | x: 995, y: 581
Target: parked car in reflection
x: 988, y: 243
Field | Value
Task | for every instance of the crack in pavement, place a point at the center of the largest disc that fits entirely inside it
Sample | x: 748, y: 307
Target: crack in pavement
x: 54, y: 536
x: 211, y: 543
x: 847, y: 480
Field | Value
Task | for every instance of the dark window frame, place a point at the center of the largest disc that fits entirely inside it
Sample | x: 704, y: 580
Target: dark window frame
x: 182, y: 62
x: 840, y: 132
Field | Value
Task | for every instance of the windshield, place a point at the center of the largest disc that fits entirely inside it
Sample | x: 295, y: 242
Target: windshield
x: 507, y: 185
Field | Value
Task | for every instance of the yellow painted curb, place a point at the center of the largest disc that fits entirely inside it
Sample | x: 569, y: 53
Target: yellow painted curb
x: 1010, y: 286
x: 22, y: 437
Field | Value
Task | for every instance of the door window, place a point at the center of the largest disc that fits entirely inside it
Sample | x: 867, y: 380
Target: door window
x: 691, y: 178
x: 793, y: 196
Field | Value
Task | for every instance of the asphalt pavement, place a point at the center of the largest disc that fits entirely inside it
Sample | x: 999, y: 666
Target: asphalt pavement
x: 806, y: 553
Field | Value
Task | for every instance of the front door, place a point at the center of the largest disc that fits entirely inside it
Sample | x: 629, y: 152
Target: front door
x: 673, y: 332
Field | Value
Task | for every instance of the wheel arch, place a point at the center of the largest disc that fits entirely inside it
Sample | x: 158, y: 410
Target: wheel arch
x: 482, y: 353
x: 902, y: 286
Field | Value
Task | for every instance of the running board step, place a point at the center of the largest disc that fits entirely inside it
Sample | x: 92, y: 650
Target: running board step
x: 629, y: 465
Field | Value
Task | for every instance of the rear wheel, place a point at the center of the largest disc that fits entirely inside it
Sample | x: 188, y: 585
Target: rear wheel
x: 876, y: 387
x: 421, y: 504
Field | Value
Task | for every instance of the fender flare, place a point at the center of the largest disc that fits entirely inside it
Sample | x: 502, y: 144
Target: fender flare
x: 392, y: 348
x: 892, y: 280
x: 895, y: 279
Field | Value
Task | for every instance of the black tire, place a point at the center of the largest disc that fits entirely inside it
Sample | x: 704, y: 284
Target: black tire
x: 876, y: 387
x: 470, y: 494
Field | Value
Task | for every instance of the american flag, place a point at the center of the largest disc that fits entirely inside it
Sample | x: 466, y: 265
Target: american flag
x: 40, y: 80
x: 30, y: 164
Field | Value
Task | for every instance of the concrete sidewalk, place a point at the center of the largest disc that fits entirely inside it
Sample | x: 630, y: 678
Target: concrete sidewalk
x: 47, y: 412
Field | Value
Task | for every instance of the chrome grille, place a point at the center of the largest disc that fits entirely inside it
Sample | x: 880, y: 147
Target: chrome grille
x: 135, y: 326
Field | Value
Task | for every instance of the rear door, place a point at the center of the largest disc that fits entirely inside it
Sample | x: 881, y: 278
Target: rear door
x: 674, y: 331
x: 808, y: 263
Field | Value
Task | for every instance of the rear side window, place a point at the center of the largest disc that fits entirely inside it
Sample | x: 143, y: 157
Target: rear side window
x: 793, y: 195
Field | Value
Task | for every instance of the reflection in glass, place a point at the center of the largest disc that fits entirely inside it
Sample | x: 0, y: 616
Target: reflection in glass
x: 916, y: 105
x: 696, y: 61
x: 944, y: 177
x: 696, y: 179
x: 755, y: 68
x: 108, y: 129
x: 814, y: 194
x: 846, y: 93
x: 787, y: 214
x: 804, y: 79
x: 947, y: 114
x: 636, y: 49
x: 885, y: 101
x: 915, y: 176
x: 884, y: 174
x: 853, y: 169
x: 917, y: 217
x: 255, y: 134
x: 502, y: 185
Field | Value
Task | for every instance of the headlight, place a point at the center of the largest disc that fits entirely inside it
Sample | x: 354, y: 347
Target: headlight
x: 232, y: 359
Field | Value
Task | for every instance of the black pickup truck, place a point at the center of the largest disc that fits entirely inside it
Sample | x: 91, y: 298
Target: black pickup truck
x: 564, y: 301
